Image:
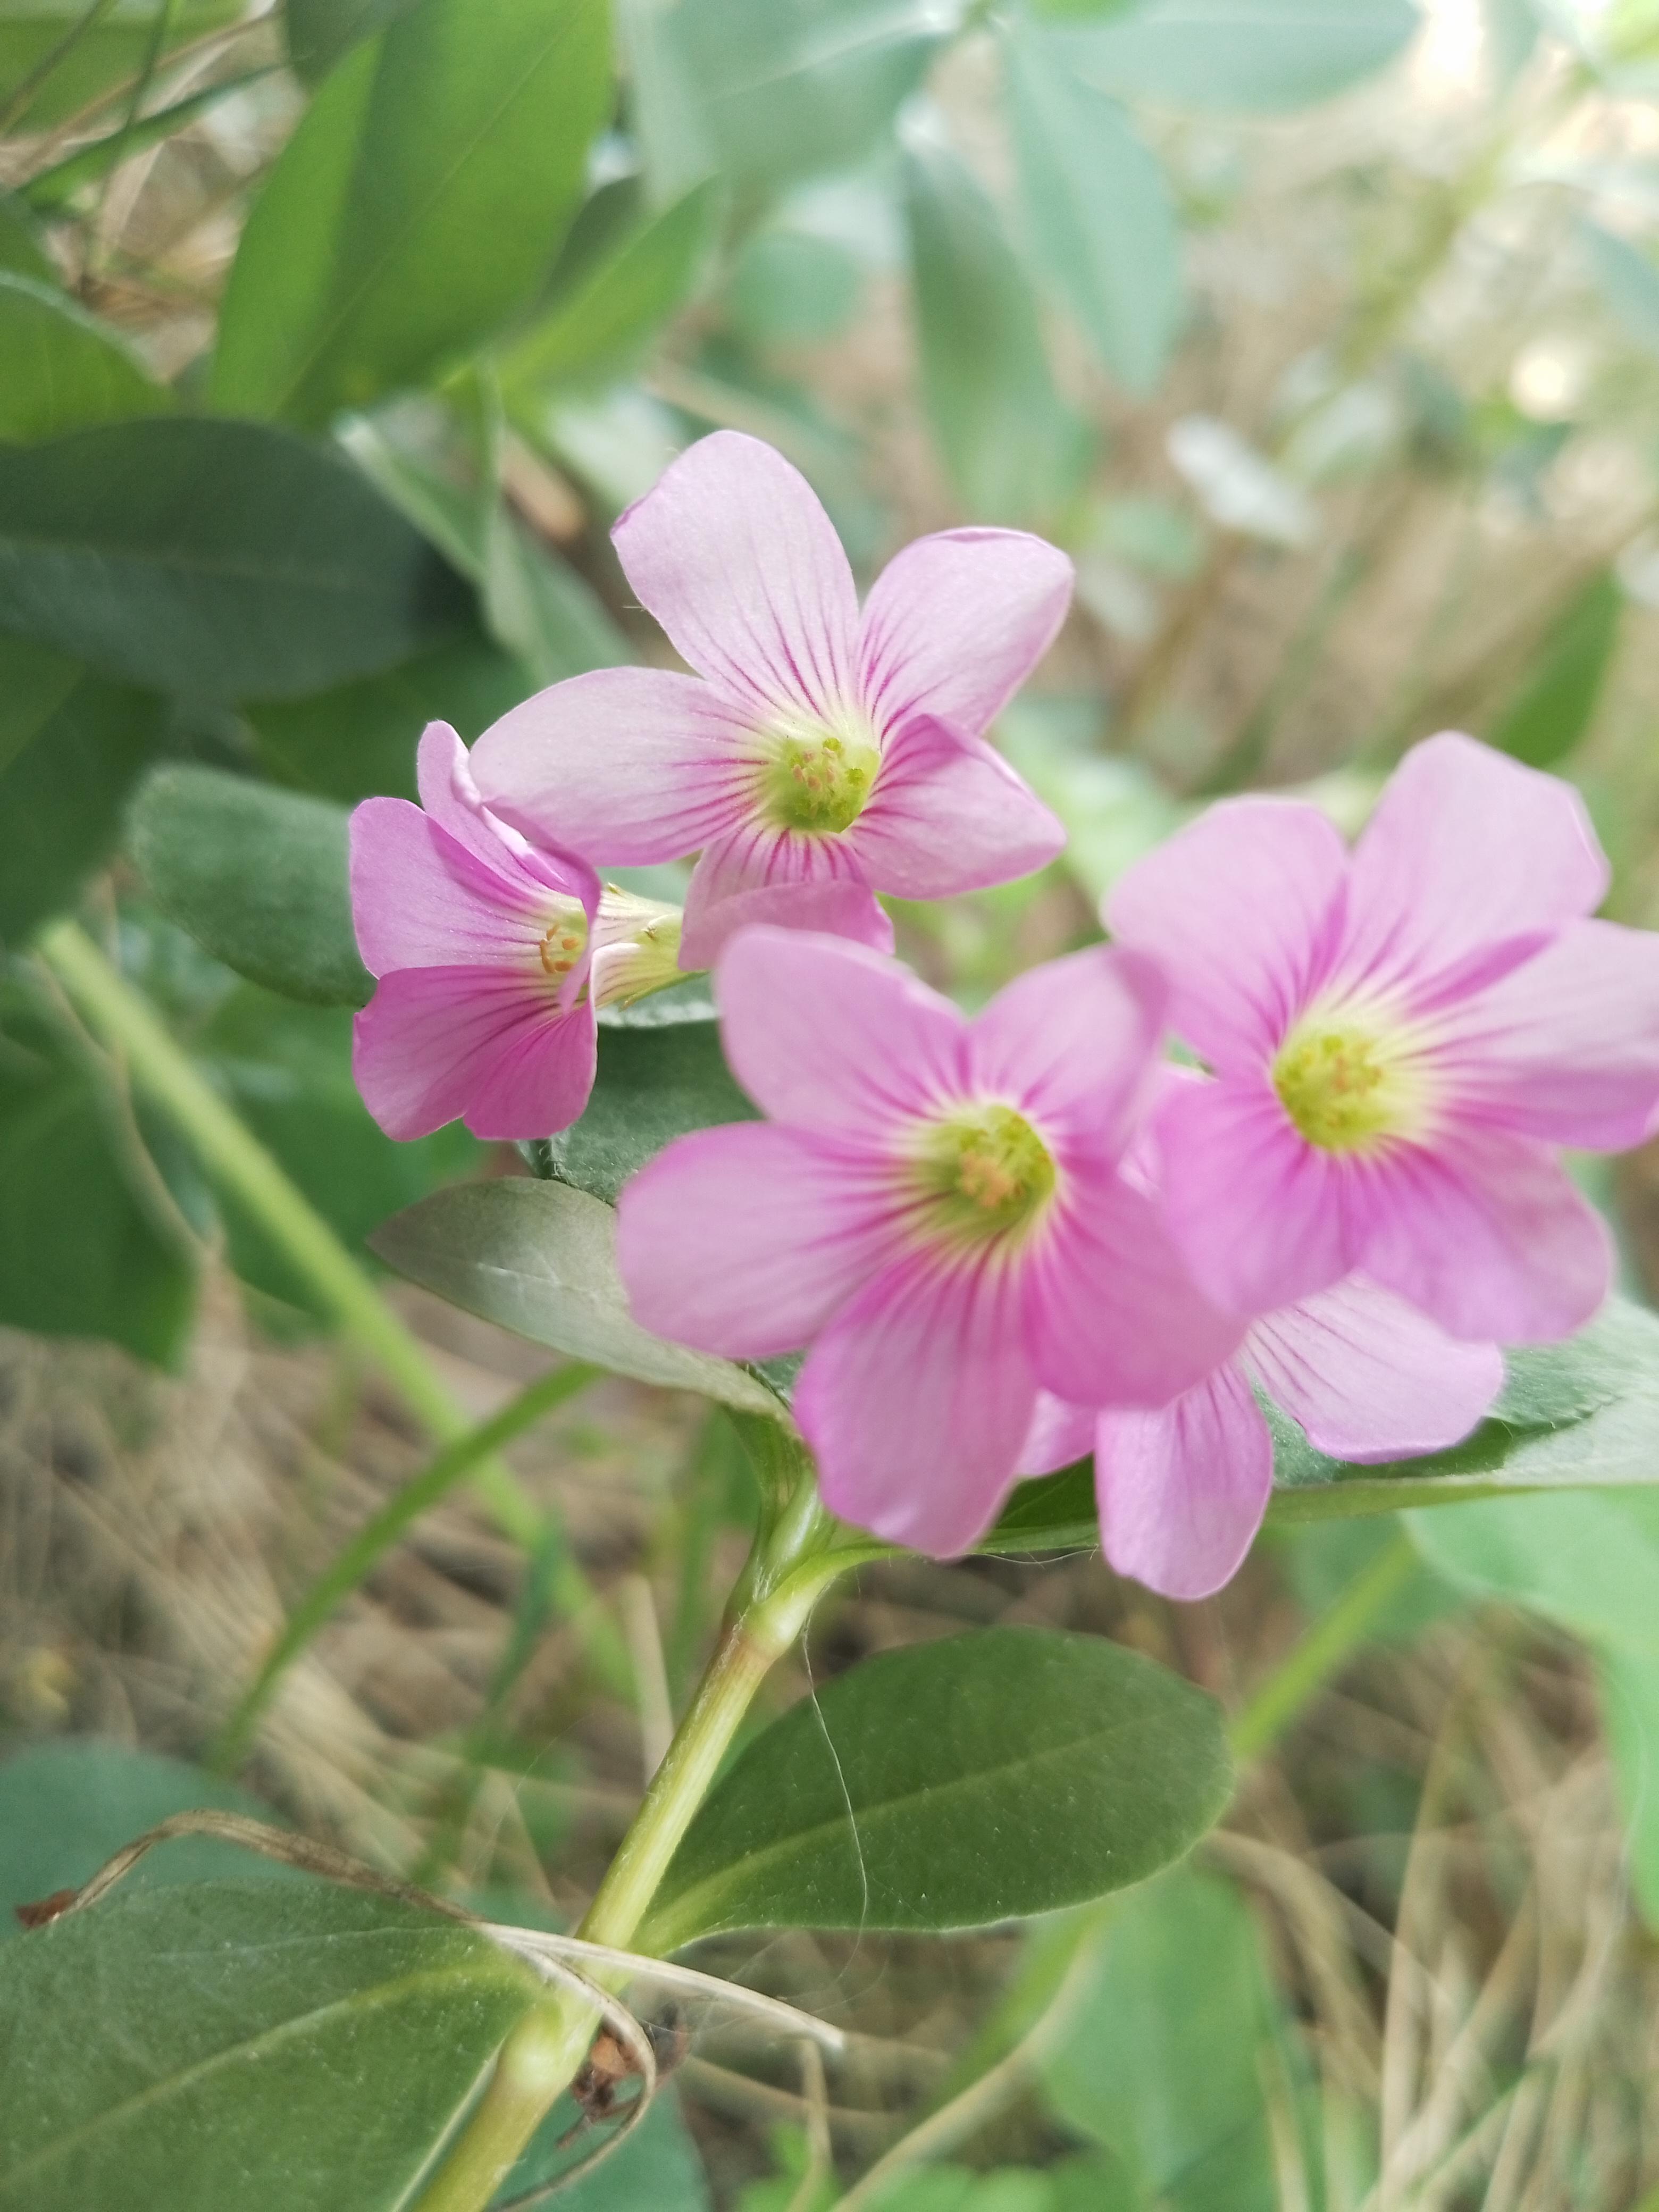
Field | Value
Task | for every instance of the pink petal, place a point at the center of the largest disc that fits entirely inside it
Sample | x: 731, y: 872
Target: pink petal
x: 1060, y: 1434
x: 1075, y: 1043
x: 1112, y: 1315
x: 1240, y: 911
x: 916, y: 1400
x: 744, y: 1240
x: 1466, y: 848
x: 753, y: 875
x: 733, y: 554
x: 1486, y: 1233
x: 1368, y: 1376
x: 1182, y: 1491
x: 420, y: 900
x: 957, y: 623
x: 451, y: 799
x: 948, y: 814
x: 436, y: 1044
x: 1566, y: 1046
x: 627, y: 765
x: 828, y: 1036
x: 1259, y: 1214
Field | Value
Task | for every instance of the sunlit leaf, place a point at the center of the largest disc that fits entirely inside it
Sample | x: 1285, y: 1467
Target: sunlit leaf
x: 1242, y: 53
x: 61, y: 369
x: 953, y: 1783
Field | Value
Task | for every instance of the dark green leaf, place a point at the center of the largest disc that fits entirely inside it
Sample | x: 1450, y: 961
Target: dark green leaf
x: 67, y: 1807
x: 1013, y: 446
x: 289, y: 2045
x: 1556, y: 703
x: 656, y: 1081
x: 1098, y: 214
x: 220, y: 560
x: 1266, y: 54
x: 540, y: 1259
x: 320, y: 31
x: 950, y: 1784
x: 257, y: 876
x: 1629, y: 282
x: 61, y: 369
x: 1163, y: 2059
x: 71, y: 747
x: 88, y: 1245
x: 109, y: 54
x: 417, y: 206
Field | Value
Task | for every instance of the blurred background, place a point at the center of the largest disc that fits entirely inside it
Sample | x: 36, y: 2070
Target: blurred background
x: 1324, y: 335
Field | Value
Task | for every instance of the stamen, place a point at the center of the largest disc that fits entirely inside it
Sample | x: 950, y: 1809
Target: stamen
x: 818, y: 780
x: 984, y: 1173
x: 1350, y: 1084
x: 560, y: 945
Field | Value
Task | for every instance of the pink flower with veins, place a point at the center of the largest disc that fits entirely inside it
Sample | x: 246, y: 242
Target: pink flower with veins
x: 1401, y: 1037
x: 935, y: 1207
x: 493, y: 956
x: 1182, y: 1490
x: 816, y: 758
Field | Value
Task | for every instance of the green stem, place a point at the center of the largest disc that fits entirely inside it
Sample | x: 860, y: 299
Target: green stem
x: 375, y: 1538
x: 1310, y: 1663
x: 13, y: 103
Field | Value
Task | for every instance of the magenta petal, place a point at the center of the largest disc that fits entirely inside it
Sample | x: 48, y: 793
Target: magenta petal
x: 1182, y: 1493
x: 1466, y: 848
x: 1060, y: 1434
x: 751, y: 877
x: 1074, y: 1042
x: 628, y: 765
x: 829, y: 1037
x: 420, y: 900
x: 1259, y: 1214
x: 916, y: 1400
x: 1113, y: 1318
x: 744, y: 1240
x: 1566, y: 1046
x: 1368, y: 1376
x: 948, y: 814
x: 957, y: 623
x: 1485, y: 1232
x: 435, y: 1044
x: 733, y: 554
x: 1240, y: 911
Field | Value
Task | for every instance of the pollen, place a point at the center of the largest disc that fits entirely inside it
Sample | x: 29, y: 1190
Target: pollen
x: 1347, y: 1085
x: 984, y: 1172
x: 818, y: 780
x: 562, y: 943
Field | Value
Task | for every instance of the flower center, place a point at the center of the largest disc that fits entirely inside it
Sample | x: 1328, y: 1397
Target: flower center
x: 561, y: 942
x: 1347, y: 1085
x: 818, y: 780
x: 984, y: 1172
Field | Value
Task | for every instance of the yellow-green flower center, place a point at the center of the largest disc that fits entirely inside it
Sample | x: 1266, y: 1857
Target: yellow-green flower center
x: 561, y: 942
x: 1347, y: 1085
x: 984, y: 1171
x: 818, y: 780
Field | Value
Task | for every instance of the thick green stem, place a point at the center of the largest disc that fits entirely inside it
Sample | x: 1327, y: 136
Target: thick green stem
x: 1310, y: 1664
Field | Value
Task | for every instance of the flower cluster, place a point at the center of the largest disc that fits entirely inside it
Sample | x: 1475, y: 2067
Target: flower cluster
x: 1009, y: 1240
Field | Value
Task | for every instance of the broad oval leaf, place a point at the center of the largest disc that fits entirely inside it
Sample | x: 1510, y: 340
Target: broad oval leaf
x: 1262, y: 54
x: 61, y: 369
x: 287, y: 2043
x: 657, y: 1080
x: 417, y: 206
x: 540, y: 1258
x: 257, y: 875
x: 983, y: 1777
x: 218, y: 560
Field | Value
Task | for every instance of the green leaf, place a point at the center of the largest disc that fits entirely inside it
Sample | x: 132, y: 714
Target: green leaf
x: 67, y: 1807
x: 257, y: 877
x: 61, y: 369
x: 185, y: 2048
x: 1262, y: 54
x: 596, y: 332
x: 1572, y: 1416
x: 219, y: 560
x: 1590, y: 1562
x: 791, y: 287
x: 1012, y: 445
x: 1629, y: 1686
x: 1098, y: 214
x: 655, y: 1082
x: 22, y: 248
x: 416, y: 207
x: 1556, y: 701
x: 1163, y: 2059
x: 540, y: 1259
x: 112, y: 51
x: 950, y: 1784
x: 657, y: 2166
x: 1628, y: 281
x: 320, y: 30
x: 70, y: 749
x: 86, y: 1245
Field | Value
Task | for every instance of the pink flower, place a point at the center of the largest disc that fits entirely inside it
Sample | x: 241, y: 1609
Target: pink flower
x: 935, y: 1206
x: 1182, y: 1490
x: 493, y: 956
x: 1400, y: 1038
x: 815, y: 757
